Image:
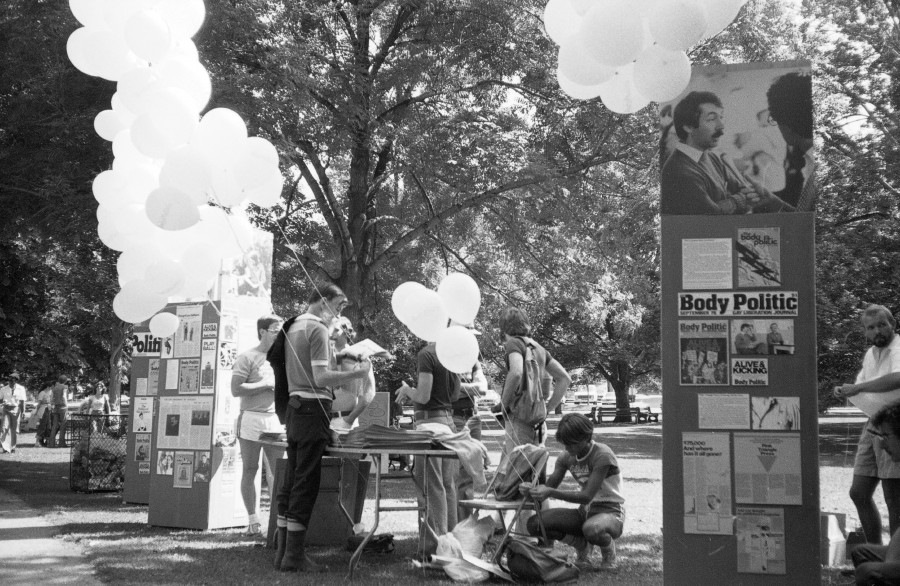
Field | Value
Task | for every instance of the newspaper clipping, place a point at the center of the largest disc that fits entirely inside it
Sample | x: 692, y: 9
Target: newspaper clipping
x: 760, y: 540
x: 184, y: 470
x: 749, y: 372
x: 707, y: 483
x: 762, y: 336
x: 777, y: 413
x: 704, y: 352
x: 723, y: 411
x: 188, y: 334
x: 184, y: 423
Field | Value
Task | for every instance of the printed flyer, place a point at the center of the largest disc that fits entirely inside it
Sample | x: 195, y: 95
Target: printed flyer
x: 780, y: 413
x: 760, y: 540
x: 143, y: 414
x: 227, y: 355
x: 202, y: 470
x: 767, y: 469
x: 208, y: 366
x: 704, y: 352
x: 723, y: 411
x: 210, y: 330
x: 759, y: 257
x: 142, y: 447
x: 707, y: 483
x: 140, y: 386
x: 165, y: 462
x: 188, y: 334
x: 751, y: 337
x: 706, y: 263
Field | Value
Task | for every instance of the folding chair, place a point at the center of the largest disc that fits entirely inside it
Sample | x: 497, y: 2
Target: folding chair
x: 523, y: 504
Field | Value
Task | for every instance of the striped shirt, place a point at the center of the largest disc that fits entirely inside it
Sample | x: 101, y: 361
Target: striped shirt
x: 307, y: 345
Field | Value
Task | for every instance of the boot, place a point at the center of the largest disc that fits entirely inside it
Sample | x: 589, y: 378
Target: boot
x: 295, y: 558
x: 280, y: 542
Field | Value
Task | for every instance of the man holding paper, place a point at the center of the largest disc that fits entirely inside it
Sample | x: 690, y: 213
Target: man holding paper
x: 880, y: 374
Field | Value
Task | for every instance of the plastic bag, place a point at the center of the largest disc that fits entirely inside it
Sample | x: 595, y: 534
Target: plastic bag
x: 460, y: 570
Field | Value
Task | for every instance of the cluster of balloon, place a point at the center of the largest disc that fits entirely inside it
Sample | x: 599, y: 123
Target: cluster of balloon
x: 173, y: 203
x: 426, y: 313
x: 631, y: 52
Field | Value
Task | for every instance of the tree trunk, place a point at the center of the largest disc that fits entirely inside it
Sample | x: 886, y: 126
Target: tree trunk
x: 116, y: 348
x: 621, y: 382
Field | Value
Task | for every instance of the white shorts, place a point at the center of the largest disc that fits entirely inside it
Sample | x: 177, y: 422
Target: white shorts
x: 253, y: 423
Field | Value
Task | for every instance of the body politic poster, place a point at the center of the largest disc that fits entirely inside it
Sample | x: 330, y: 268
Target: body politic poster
x: 704, y: 352
x: 142, y: 447
x: 184, y: 470
x: 184, y: 423
x: 208, y: 366
x: 707, y: 483
x: 153, y: 377
x: 706, y: 263
x: 189, y: 331
x: 189, y: 376
x: 759, y: 257
x: 767, y: 469
x: 760, y: 540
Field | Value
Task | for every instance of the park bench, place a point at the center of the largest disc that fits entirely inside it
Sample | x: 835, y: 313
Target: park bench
x: 647, y: 414
x: 598, y: 413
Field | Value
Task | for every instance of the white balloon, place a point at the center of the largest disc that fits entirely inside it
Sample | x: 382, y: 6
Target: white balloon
x: 268, y: 193
x: 582, y: 7
x: 202, y: 261
x: 185, y: 17
x: 678, y: 24
x: 660, y: 74
x: 135, y: 303
x: 461, y: 297
x: 400, y: 296
x: 560, y: 20
x: 255, y: 161
x: 457, y: 349
x: 135, y: 87
x: 126, y: 153
x: 220, y: 134
x: 171, y: 209
x: 109, y: 55
x: 187, y: 170
x: 186, y: 49
x: 165, y: 276
x: 719, y: 14
x: 89, y: 12
x: 426, y: 317
x: 107, y: 124
x: 196, y: 288
x: 579, y: 92
x: 577, y: 65
x: 189, y: 76
x: 142, y: 179
x: 133, y: 263
x: 148, y: 35
x: 108, y: 187
x: 225, y: 189
x: 619, y: 93
x: 163, y: 325
x: 613, y: 33
x: 77, y: 51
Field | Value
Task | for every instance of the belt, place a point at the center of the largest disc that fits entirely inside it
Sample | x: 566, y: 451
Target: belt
x: 464, y: 412
x: 336, y: 414
x: 431, y: 413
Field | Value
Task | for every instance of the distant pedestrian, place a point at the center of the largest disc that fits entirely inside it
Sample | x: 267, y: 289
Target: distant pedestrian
x: 14, y: 397
x: 60, y: 409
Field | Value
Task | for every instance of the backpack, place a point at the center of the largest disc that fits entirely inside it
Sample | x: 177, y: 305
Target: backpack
x: 528, y: 404
x: 529, y: 563
x: 520, y: 467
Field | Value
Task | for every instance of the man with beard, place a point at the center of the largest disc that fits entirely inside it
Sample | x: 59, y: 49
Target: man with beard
x: 880, y: 373
x: 694, y: 179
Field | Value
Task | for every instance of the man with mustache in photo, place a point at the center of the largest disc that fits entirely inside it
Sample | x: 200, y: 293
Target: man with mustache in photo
x: 694, y: 179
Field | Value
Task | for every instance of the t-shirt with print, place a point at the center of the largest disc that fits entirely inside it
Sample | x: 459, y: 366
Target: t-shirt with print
x: 252, y: 367
x: 445, y: 384
x: 599, y: 456
x: 306, y: 345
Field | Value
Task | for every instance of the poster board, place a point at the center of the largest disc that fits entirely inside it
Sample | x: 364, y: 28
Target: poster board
x: 740, y: 445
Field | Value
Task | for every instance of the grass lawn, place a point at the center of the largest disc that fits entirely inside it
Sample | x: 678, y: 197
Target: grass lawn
x: 126, y: 551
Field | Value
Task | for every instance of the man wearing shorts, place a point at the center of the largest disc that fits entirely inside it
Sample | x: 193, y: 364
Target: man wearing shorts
x: 873, y: 464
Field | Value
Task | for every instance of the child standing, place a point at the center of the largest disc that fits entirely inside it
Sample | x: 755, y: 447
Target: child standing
x: 600, y: 518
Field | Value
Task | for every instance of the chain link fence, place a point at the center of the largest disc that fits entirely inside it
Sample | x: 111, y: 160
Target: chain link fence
x: 98, y: 444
